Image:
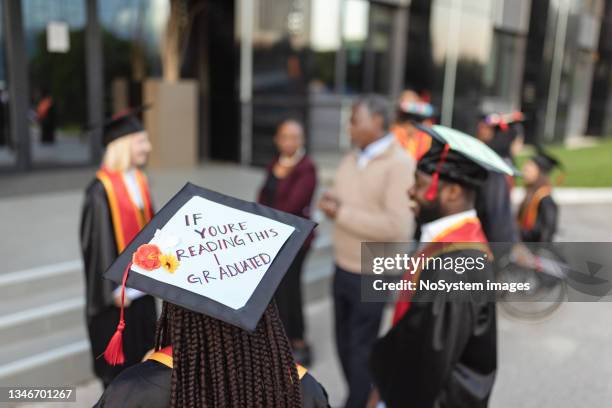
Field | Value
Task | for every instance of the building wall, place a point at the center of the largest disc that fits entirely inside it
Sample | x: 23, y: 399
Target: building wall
x: 305, y: 59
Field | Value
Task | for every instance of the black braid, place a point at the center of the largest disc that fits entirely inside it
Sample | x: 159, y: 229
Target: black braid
x: 218, y: 365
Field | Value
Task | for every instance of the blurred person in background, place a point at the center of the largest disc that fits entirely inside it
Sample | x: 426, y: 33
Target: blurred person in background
x: 367, y: 202
x: 538, y: 213
x: 45, y: 114
x: 117, y: 205
x: 291, y: 180
x: 504, y: 133
x: 410, y: 111
x: 493, y: 200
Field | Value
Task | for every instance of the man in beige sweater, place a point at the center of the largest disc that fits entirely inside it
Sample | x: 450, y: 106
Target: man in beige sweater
x: 368, y: 202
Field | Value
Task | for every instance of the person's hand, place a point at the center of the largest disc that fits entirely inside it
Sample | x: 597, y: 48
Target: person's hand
x: 329, y: 205
x: 281, y: 171
x: 126, y: 303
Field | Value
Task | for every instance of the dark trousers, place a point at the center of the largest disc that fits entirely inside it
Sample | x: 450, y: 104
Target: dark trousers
x: 356, y: 326
x: 289, y: 299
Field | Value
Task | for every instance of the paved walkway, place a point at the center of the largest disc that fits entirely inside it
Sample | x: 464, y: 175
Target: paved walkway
x: 44, y: 227
x: 563, y: 362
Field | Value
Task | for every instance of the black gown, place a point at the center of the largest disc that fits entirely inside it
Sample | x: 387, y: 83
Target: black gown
x: 494, y: 209
x: 545, y: 225
x: 147, y: 385
x: 440, y: 354
x: 99, y: 250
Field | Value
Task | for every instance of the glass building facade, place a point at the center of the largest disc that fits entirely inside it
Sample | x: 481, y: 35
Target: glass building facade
x: 67, y: 64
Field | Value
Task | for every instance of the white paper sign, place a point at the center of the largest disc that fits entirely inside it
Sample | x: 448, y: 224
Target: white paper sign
x: 58, y: 38
x: 213, y: 250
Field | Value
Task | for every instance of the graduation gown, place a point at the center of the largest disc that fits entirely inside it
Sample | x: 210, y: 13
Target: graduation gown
x: 148, y: 385
x: 538, y: 215
x: 495, y: 210
x: 99, y: 236
x: 440, y: 353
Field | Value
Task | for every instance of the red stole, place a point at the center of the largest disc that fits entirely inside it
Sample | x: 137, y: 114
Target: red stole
x: 127, y: 218
x: 466, y: 233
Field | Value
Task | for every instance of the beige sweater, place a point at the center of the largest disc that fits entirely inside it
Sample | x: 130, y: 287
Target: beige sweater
x: 374, y: 203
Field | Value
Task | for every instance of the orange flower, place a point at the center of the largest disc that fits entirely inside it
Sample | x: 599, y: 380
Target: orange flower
x: 147, y: 257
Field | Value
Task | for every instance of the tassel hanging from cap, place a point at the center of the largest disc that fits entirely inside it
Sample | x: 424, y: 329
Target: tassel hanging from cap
x: 114, y: 350
x: 432, y: 191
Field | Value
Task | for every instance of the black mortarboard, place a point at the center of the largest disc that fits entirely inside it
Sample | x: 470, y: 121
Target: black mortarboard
x: 212, y: 254
x: 122, y: 124
x: 545, y: 161
x: 458, y: 157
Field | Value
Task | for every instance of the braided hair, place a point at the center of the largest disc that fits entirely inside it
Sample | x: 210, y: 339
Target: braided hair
x: 220, y: 365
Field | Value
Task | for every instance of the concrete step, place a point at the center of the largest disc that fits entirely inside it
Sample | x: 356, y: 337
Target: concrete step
x: 15, y: 286
x: 42, y: 320
x: 10, y: 305
x: 40, y: 301
x: 42, y: 326
x: 39, y: 344
x: 55, y: 359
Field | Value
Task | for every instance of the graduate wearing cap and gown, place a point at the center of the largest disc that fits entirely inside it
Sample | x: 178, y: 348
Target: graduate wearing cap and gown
x: 538, y: 213
x: 413, y: 140
x: 442, y: 352
x: 502, y: 134
x: 216, y: 262
x: 117, y: 205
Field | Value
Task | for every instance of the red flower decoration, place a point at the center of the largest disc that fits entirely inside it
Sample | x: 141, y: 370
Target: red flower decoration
x: 147, y: 257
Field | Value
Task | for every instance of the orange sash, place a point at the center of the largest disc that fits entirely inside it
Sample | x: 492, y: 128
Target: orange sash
x: 416, y: 145
x: 529, y: 215
x: 127, y: 218
x: 163, y: 356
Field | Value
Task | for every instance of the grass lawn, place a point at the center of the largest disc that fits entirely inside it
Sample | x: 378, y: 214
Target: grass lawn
x: 584, y: 167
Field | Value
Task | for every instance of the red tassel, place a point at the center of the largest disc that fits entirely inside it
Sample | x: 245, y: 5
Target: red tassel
x: 114, y: 351
x: 432, y: 191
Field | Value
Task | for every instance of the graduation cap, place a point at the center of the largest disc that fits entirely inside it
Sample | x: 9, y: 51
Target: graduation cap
x: 212, y: 254
x: 121, y: 124
x: 514, y: 117
x: 460, y: 158
x: 502, y: 120
x: 545, y: 161
x: 415, y: 110
x: 496, y: 120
